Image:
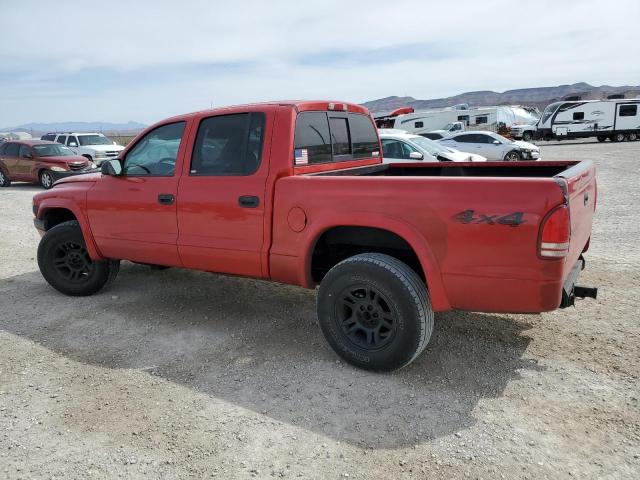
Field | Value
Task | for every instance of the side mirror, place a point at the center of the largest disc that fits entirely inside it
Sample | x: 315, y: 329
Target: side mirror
x: 497, y: 142
x: 112, y: 168
x: 73, y: 144
x: 416, y: 156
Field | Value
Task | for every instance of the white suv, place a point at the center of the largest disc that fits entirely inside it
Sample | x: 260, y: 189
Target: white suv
x: 94, y: 146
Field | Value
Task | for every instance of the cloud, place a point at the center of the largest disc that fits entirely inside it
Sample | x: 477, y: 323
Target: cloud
x: 146, y: 60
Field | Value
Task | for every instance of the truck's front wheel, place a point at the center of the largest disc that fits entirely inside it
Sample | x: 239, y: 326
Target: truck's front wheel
x: 375, y: 312
x: 65, y: 263
x: 527, y: 136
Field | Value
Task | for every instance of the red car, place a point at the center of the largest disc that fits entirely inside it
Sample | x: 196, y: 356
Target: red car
x: 296, y: 192
x: 38, y: 161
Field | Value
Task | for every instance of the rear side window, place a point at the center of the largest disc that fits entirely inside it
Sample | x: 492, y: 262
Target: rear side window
x: 62, y: 139
x: 11, y: 150
x: 228, y: 145
x: 323, y: 137
x: 468, y: 138
x: 628, y: 110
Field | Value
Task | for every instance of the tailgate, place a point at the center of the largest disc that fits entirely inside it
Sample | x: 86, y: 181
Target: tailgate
x: 579, y: 185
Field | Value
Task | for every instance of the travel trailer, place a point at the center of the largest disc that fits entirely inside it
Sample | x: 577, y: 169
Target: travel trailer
x: 617, y: 120
x: 479, y: 118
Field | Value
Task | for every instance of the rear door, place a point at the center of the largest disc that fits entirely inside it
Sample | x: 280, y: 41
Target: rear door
x: 221, y: 197
x: 133, y: 216
x: 10, y: 159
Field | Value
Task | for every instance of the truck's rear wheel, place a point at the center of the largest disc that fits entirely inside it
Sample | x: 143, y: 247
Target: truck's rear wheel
x: 65, y: 263
x: 375, y: 312
x: 602, y: 138
x: 632, y: 137
x: 527, y: 136
x: 617, y: 137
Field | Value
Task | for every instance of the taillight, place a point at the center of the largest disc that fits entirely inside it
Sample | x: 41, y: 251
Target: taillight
x: 555, y: 233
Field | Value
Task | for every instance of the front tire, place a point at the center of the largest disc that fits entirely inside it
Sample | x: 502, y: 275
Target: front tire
x: 46, y: 179
x: 512, y: 156
x: 65, y: 263
x: 602, y: 138
x: 375, y: 312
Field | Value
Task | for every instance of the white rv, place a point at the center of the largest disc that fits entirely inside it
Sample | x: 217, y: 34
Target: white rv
x: 478, y: 118
x: 617, y: 120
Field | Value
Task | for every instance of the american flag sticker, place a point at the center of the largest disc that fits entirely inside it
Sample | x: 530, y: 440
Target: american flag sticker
x: 301, y: 156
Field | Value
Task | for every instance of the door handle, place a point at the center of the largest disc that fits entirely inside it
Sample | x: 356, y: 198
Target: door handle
x: 248, y: 201
x: 166, y: 199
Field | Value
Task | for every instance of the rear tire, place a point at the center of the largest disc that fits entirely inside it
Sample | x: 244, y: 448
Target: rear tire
x: 632, y: 137
x: 602, y: 138
x: 375, y: 312
x: 527, y: 136
x: 513, y: 156
x: 65, y: 263
x: 4, y: 179
x: 46, y: 179
x: 617, y: 137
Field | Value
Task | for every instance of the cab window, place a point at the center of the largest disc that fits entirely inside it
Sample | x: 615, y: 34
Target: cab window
x: 228, y: 145
x: 155, y: 153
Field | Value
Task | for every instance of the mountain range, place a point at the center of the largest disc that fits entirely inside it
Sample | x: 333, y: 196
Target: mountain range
x: 76, y: 127
x: 538, y: 97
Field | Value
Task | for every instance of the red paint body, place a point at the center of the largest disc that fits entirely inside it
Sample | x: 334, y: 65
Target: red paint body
x: 479, y: 265
x: 21, y: 168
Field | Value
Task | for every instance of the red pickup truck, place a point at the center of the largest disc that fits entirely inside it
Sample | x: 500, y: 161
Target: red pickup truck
x: 296, y: 192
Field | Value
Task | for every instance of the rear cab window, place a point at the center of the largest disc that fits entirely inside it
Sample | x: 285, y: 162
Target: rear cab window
x: 329, y: 137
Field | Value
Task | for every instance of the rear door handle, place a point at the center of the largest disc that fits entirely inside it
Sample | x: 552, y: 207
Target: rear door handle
x: 248, y: 201
x: 166, y: 199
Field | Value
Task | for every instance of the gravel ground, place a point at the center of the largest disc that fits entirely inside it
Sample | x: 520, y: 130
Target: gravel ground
x: 179, y: 374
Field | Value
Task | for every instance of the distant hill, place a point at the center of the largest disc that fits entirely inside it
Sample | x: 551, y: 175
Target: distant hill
x: 76, y: 127
x: 536, y: 97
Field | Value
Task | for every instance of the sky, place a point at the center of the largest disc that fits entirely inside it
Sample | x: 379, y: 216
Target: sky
x: 144, y: 60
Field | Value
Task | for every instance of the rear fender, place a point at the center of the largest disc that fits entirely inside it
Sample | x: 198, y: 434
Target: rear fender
x: 405, y: 231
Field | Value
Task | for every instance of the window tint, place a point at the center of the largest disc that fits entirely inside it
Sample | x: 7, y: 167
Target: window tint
x: 72, y: 140
x: 481, y: 138
x: 340, y: 137
x: 49, y: 137
x: 467, y: 138
x: 11, y: 150
x: 3, y: 147
x: 418, y: 124
x: 155, y: 154
x: 25, y: 151
x: 62, y: 139
x: 228, y: 145
x: 363, y: 136
x: 628, y: 110
x: 482, y: 119
x: 312, y: 137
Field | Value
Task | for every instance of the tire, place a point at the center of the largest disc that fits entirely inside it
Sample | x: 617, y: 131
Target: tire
x: 512, y: 156
x: 617, y: 137
x: 46, y: 179
x: 375, y: 312
x: 632, y: 137
x: 4, y: 179
x: 602, y: 138
x: 527, y: 136
x: 65, y: 264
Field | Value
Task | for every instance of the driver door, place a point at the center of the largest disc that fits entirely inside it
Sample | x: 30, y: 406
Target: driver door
x: 133, y: 215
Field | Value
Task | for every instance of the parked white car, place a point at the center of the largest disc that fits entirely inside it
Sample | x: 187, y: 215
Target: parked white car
x: 492, y: 146
x: 94, y: 146
x: 399, y: 146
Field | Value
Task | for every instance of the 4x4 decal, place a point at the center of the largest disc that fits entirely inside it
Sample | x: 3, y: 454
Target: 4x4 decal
x: 469, y: 217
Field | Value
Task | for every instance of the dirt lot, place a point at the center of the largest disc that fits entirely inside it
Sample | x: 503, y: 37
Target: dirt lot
x: 178, y: 374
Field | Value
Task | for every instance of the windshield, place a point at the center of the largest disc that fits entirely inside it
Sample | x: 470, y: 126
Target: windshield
x: 550, y: 110
x: 52, y: 150
x: 94, y: 140
x: 429, y: 146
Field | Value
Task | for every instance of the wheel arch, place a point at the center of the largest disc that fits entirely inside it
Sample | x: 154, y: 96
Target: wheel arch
x: 391, y: 228
x: 57, y: 210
